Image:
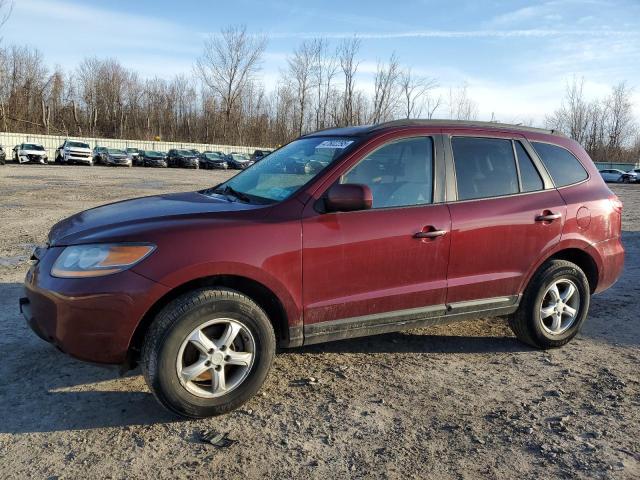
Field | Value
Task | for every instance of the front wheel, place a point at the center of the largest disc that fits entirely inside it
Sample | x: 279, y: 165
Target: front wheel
x: 208, y: 352
x: 554, y: 306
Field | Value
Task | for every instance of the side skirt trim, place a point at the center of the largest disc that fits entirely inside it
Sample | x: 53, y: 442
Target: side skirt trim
x: 407, y: 319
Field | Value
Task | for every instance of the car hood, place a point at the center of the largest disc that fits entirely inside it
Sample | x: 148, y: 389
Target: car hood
x: 133, y: 220
x: 32, y: 152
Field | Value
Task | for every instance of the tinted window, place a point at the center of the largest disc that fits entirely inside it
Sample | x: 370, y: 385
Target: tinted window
x: 398, y: 174
x: 564, y: 168
x: 529, y: 175
x: 485, y: 167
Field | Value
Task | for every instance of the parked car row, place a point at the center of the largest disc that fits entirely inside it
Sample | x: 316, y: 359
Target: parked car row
x: 75, y: 152
x: 614, y: 175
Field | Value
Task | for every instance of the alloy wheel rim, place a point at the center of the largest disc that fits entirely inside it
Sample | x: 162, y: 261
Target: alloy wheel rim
x: 215, y: 358
x: 560, y: 307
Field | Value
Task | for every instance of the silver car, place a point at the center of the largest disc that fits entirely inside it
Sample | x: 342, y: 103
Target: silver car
x: 618, y: 176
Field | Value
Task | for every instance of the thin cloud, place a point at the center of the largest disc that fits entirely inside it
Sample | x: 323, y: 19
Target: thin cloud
x: 523, y: 33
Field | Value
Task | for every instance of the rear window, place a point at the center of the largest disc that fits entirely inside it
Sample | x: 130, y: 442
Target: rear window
x: 485, y: 167
x: 564, y: 168
x: 529, y: 176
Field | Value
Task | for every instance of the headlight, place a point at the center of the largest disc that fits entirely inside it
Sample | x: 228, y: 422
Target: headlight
x: 80, y: 261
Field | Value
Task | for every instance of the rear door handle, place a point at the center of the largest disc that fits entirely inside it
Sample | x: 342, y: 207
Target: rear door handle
x: 548, y: 217
x: 430, y: 234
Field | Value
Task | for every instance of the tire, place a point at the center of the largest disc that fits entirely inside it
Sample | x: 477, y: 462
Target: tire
x: 167, y: 341
x: 526, y: 322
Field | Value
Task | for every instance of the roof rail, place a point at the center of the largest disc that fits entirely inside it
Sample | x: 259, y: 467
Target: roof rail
x: 460, y: 123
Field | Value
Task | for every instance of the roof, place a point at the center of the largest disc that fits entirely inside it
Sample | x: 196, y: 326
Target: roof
x: 367, y: 129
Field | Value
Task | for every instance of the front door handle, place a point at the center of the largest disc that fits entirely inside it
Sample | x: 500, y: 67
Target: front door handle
x: 430, y: 234
x: 548, y: 217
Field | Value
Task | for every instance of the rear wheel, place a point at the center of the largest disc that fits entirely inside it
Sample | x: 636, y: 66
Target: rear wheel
x: 554, y: 306
x: 208, y: 352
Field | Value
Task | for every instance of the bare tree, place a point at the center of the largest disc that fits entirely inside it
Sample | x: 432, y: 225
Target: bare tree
x: 415, y: 91
x: 619, y: 118
x: 326, y: 69
x: 228, y: 64
x: 461, y: 106
x: 572, y: 117
x: 386, y: 90
x: 301, y: 74
x: 347, y: 52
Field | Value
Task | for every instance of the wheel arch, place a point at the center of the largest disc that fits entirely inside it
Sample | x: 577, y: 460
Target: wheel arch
x: 574, y: 254
x: 258, y: 292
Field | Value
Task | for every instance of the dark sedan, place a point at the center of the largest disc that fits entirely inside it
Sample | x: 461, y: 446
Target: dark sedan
x: 151, y: 158
x: 212, y: 160
x: 258, y: 155
x: 3, y: 155
x: 112, y: 157
x: 182, y: 159
x: 239, y: 161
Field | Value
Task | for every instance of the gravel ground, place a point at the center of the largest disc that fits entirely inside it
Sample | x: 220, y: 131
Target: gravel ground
x: 461, y: 401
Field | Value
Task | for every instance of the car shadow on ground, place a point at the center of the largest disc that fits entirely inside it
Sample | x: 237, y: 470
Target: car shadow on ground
x: 46, y: 391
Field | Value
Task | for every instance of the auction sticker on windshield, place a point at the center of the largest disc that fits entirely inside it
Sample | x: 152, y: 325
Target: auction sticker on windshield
x: 335, y: 144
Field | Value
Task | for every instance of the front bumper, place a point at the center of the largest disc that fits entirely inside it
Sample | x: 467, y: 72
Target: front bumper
x: 32, y: 159
x: 155, y: 163
x: 119, y: 162
x: 78, y: 158
x: 92, y: 319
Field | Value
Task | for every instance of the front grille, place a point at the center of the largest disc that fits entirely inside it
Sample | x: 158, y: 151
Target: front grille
x: 32, y: 157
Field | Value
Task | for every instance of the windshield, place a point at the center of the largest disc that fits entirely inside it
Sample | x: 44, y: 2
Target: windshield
x: 32, y: 146
x: 115, y: 151
x: 239, y: 156
x: 212, y: 156
x: 153, y: 154
x: 185, y: 153
x: 132, y: 150
x: 77, y: 144
x: 284, y: 171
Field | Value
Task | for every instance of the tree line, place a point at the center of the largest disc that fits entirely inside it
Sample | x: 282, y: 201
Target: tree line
x: 224, y: 101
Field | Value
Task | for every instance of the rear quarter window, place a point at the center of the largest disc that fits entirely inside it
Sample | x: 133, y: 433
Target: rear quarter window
x: 562, y: 165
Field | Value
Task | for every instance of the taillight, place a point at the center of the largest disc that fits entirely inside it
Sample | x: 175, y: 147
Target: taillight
x: 616, y: 203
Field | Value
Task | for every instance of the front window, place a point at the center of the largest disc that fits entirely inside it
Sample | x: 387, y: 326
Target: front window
x: 184, y: 153
x: 153, y: 154
x: 399, y: 174
x: 115, y: 151
x: 32, y: 146
x: 77, y: 145
x: 286, y: 170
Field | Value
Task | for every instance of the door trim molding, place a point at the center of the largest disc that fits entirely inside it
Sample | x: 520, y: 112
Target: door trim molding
x: 407, y: 319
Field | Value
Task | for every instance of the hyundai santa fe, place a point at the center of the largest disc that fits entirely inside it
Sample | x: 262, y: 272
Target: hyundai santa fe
x: 338, y: 234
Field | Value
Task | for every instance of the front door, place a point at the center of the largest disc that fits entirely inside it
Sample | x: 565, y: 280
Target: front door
x: 383, y: 265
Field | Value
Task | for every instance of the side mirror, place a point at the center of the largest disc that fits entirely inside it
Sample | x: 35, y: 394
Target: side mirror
x: 348, y: 197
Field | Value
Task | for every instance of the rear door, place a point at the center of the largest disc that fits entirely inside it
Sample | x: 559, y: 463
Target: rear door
x: 506, y: 215
x: 363, y: 269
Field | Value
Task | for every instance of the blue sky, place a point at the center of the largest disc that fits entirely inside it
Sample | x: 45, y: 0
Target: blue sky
x: 515, y: 56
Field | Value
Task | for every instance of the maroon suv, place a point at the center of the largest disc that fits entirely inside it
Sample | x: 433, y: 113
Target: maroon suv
x: 341, y: 233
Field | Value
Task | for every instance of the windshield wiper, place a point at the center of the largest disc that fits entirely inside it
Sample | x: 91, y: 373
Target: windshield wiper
x: 228, y: 190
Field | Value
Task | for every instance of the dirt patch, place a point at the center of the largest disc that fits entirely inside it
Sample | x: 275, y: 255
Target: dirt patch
x: 460, y: 401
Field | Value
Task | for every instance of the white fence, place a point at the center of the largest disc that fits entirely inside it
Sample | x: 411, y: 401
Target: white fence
x: 51, y: 142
